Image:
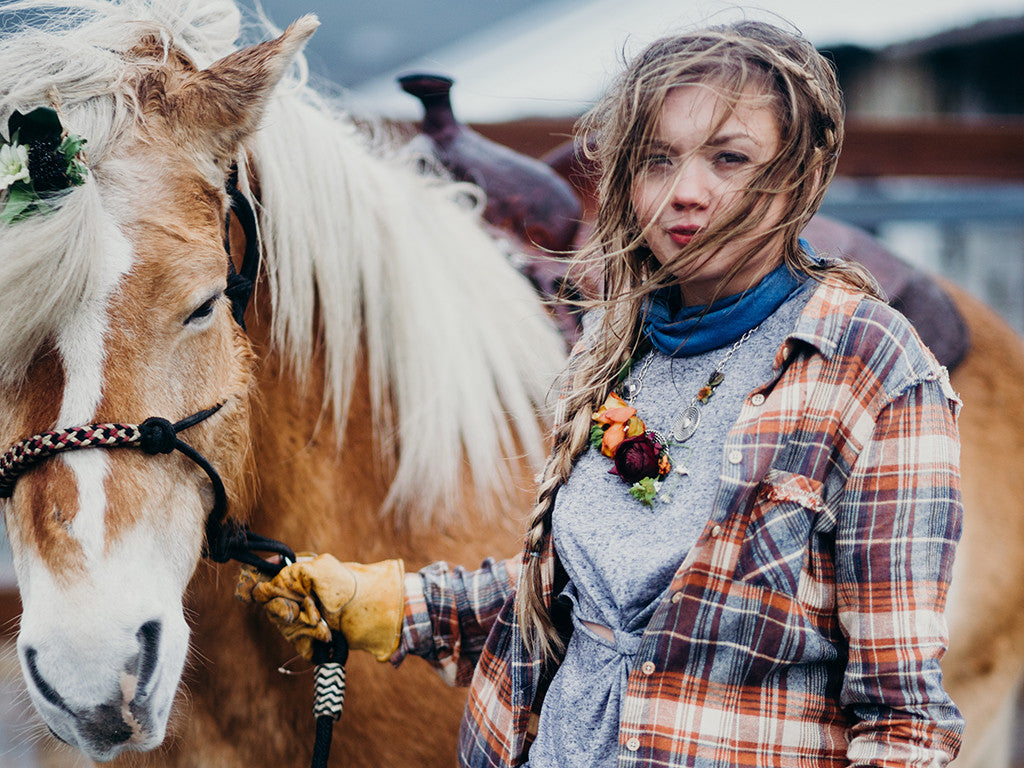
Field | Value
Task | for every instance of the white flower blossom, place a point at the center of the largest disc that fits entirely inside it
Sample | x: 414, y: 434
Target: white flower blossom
x: 13, y: 164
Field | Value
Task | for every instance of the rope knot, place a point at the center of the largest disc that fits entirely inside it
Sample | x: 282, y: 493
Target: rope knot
x: 225, y: 538
x: 157, y: 435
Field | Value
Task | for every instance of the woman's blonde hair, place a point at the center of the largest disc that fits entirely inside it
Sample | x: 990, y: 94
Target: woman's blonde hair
x: 748, y: 59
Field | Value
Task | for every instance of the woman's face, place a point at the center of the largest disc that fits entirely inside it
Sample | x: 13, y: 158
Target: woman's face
x: 694, y: 175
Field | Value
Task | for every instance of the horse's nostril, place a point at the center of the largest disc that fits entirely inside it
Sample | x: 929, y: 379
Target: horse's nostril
x: 44, y: 688
x: 149, y: 638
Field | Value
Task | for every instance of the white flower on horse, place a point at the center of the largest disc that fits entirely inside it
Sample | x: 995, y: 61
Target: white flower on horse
x: 13, y: 164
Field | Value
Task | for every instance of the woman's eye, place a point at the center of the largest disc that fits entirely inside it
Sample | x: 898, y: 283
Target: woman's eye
x: 203, y: 311
x: 654, y: 164
x: 731, y: 158
x: 656, y: 159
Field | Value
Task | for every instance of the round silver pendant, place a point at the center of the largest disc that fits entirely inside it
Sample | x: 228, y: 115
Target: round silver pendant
x: 686, y: 424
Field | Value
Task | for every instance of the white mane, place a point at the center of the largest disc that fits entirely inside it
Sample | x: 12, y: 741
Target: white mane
x: 457, y: 346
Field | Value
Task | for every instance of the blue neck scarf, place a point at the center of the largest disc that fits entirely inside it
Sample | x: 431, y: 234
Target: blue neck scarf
x: 680, y: 331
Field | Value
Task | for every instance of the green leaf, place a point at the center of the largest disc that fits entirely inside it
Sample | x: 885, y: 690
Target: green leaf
x: 77, y: 171
x: 41, y: 122
x: 71, y: 146
x: 21, y: 198
x: 596, y: 435
x: 645, y: 491
x: 624, y: 371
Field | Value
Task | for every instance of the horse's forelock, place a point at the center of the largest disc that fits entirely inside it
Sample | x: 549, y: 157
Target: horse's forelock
x: 50, y: 266
x: 203, y: 30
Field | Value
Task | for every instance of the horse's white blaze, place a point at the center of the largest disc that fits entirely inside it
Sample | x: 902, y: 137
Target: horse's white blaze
x: 81, y: 347
x: 81, y: 340
x: 87, y: 526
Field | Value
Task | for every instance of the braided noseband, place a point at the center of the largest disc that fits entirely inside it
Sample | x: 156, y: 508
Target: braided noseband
x: 226, y: 539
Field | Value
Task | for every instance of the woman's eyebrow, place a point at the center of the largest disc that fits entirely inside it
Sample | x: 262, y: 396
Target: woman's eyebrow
x: 728, y: 138
x: 656, y: 145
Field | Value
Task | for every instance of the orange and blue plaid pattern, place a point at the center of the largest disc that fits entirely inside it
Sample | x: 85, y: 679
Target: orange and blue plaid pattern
x: 805, y: 627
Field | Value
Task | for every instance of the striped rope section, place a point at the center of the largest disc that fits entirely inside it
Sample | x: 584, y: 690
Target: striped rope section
x: 329, y: 690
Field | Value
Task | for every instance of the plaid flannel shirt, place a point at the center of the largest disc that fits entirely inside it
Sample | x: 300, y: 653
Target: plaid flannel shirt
x: 805, y: 627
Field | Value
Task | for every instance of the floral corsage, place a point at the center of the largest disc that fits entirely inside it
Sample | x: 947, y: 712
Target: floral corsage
x: 640, y: 455
x: 39, y: 160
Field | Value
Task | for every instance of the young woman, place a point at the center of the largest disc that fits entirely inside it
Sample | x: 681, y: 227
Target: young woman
x: 743, y: 538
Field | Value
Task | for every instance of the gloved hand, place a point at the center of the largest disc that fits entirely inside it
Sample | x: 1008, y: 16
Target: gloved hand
x: 308, y: 599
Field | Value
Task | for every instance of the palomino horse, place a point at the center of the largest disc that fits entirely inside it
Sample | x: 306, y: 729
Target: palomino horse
x: 378, y: 359
x: 389, y: 390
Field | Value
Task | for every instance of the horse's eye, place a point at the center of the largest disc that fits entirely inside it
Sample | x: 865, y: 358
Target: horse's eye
x: 203, y: 311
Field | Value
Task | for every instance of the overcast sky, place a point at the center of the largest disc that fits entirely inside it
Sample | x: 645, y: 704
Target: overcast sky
x: 553, y: 57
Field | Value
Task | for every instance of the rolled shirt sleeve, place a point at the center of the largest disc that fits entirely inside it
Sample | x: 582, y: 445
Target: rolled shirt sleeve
x: 449, y: 612
x: 899, y: 520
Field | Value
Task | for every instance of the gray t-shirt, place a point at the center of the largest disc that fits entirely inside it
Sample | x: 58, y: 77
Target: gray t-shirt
x: 621, y: 555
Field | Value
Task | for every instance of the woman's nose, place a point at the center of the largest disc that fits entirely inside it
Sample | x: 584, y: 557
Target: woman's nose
x: 690, y: 188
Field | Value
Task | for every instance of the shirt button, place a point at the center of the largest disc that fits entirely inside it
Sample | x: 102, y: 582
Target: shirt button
x: 633, y: 744
x: 677, y: 597
x: 785, y: 351
x: 735, y: 457
x: 716, y: 531
x: 757, y: 399
x: 647, y: 668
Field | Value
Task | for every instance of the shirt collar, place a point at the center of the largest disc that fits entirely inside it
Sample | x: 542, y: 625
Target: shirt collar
x: 826, y: 316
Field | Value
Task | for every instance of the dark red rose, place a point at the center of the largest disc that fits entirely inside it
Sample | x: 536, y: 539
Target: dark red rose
x: 637, y: 458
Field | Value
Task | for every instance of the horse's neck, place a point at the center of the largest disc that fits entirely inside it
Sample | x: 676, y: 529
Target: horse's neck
x: 317, y: 496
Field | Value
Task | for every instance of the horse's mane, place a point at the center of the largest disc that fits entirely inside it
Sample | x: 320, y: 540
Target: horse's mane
x: 457, y: 347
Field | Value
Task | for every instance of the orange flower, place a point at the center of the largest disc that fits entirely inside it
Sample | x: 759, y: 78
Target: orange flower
x: 635, y: 427
x: 704, y: 393
x: 664, y: 465
x: 613, y: 437
x: 614, y: 411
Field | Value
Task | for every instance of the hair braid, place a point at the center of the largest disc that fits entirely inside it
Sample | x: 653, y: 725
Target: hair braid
x: 590, y: 376
x: 571, y: 439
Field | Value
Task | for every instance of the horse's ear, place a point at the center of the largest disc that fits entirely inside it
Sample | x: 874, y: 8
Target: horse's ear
x: 219, y: 106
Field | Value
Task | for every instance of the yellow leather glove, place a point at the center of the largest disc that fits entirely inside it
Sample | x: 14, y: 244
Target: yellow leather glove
x: 308, y: 599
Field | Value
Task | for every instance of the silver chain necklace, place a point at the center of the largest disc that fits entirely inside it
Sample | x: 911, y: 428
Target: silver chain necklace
x: 689, y: 419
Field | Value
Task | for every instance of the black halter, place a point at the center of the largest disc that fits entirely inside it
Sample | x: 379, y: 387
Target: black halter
x: 240, y: 284
x: 226, y: 538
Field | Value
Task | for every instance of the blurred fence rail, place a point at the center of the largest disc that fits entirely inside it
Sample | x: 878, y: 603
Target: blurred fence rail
x: 982, y: 148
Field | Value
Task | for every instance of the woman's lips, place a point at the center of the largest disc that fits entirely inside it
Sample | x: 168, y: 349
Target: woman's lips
x: 682, y: 235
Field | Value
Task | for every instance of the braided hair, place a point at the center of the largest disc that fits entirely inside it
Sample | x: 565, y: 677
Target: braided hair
x: 799, y: 85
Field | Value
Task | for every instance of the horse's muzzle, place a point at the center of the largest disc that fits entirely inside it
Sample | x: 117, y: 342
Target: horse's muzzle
x: 125, y: 721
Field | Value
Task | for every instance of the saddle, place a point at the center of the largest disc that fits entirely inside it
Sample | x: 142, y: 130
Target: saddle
x: 541, y: 204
